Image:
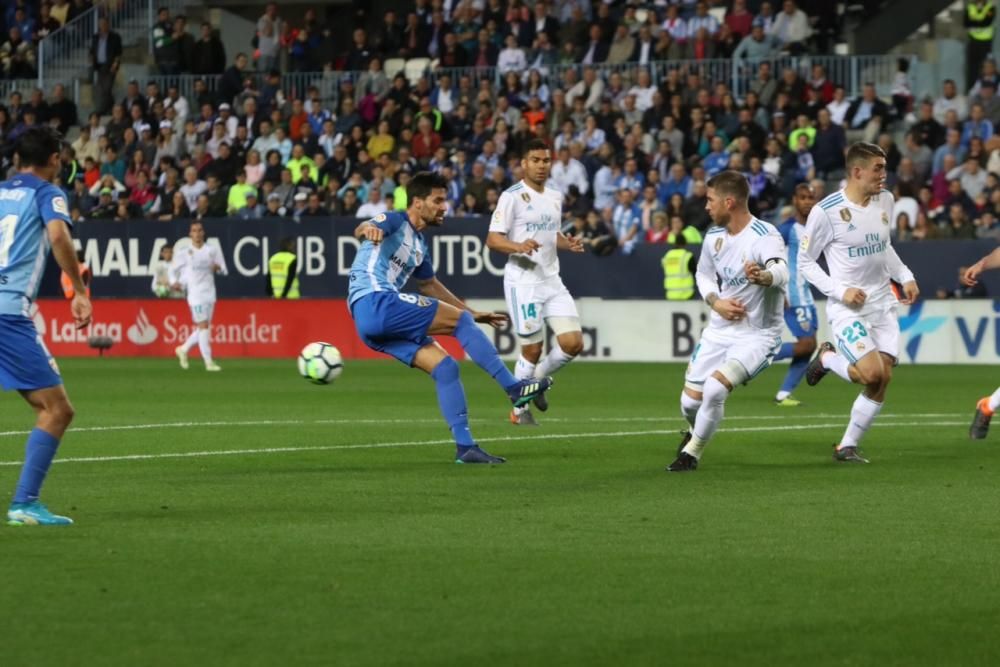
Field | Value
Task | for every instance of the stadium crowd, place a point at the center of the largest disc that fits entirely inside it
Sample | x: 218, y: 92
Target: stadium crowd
x: 631, y: 154
x: 23, y: 23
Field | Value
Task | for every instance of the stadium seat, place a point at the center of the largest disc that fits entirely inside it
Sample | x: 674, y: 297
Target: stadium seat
x: 415, y: 68
x: 394, y: 66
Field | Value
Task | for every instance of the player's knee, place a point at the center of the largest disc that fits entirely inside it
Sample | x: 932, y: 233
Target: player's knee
x: 572, y: 345
x: 715, y: 392
x: 60, y: 411
x: 446, y: 370
x: 805, y: 347
x: 870, y: 375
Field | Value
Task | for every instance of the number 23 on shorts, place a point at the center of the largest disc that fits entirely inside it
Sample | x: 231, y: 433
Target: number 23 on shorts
x: 854, y: 331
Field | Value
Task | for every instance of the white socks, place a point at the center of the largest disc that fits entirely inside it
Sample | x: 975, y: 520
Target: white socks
x: 205, y: 345
x: 836, y: 363
x: 709, y: 416
x: 689, y: 408
x: 552, y: 362
x: 863, y: 413
x: 995, y: 400
x: 523, y: 370
x: 191, y: 341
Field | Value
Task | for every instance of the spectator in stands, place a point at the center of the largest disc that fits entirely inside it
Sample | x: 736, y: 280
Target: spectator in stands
x: 952, y: 146
x: 694, y: 207
x: 512, y: 58
x: 866, y: 116
x: 231, y: 83
x: 979, y: 19
x: 757, y: 44
x: 208, y: 55
x: 971, y: 176
x: 269, y: 30
x: 986, y: 97
x: 978, y: 126
x: 595, y: 50
x: 626, y: 222
x: 950, y: 100
x: 792, y: 28
x: 105, y: 59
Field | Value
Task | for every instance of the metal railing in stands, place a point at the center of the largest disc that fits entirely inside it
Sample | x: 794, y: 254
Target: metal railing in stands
x: 850, y: 71
x: 65, y: 54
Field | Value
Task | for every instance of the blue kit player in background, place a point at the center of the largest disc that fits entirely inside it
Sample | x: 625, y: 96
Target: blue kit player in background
x: 800, y: 308
x: 34, y: 217
x: 401, y: 324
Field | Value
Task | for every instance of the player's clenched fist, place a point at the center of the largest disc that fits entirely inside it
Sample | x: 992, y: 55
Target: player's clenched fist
x: 372, y: 233
x: 729, y: 309
x: 527, y: 247
x: 855, y: 296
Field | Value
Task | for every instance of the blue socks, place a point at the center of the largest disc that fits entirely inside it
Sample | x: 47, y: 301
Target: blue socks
x: 451, y: 399
x: 481, y: 350
x: 39, y: 452
x: 796, y: 371
x: 785, y: 352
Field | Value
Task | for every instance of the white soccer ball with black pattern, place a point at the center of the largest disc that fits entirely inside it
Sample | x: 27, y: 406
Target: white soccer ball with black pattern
x: 320, y: 363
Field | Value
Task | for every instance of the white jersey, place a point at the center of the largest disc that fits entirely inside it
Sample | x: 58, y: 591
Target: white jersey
x: 194, y: 268
x: 722, y: 262
x: 856, y: 242
x: 521, y: 214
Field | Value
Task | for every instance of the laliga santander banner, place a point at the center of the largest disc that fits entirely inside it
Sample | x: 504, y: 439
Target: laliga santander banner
x: 257, y: 328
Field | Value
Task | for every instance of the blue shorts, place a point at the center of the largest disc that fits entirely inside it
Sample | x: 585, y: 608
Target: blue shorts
x: 25, y: 363
x: 395, y: 323
x: 802, y: 321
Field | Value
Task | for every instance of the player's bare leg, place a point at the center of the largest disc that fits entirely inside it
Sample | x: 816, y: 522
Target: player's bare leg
x: 874, y: 371
x: 53, y: 413
x: 433, y: 360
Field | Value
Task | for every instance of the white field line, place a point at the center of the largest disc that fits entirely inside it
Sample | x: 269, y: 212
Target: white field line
x: 419, y: 443
x: 304, y: 422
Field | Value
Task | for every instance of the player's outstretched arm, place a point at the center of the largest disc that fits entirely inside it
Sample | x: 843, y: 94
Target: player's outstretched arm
x: 498, y: 241
x: 988, y: 263
x: 65, y: 254
x: 435, y: 289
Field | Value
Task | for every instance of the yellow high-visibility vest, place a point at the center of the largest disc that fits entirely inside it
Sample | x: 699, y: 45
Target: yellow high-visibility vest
x: 678, y: 281
x: 977, y: 13
x: 277, y: 267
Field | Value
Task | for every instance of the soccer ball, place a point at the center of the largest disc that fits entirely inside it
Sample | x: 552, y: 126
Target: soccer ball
x: 320, y: 363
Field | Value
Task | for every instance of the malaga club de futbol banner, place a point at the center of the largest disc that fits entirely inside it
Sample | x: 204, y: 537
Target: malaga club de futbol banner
x: 939, y: 331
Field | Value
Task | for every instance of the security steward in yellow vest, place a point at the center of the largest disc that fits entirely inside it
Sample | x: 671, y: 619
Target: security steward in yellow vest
x: 979, y: 18
x: 283, y: 283
x: 678, y: 271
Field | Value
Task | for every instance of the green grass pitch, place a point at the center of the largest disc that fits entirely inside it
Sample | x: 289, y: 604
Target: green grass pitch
x: 250, y: 518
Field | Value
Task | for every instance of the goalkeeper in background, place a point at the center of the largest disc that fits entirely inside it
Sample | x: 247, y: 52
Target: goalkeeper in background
x: 988, y: 405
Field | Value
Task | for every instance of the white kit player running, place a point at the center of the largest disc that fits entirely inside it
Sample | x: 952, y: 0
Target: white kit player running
x: 851, y: 227
x: 194, y: 269
x: 742, y: 273
x: 525, y: 226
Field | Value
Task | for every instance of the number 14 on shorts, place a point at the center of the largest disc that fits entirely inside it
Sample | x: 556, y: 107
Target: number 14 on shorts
x: 528, y: 311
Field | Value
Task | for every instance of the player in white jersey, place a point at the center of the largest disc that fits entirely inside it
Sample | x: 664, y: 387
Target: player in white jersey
x: 851, y: 227
x: 194, y: 269
x: 987, y: 406
x: 525, y: 226
x: 741, y: 274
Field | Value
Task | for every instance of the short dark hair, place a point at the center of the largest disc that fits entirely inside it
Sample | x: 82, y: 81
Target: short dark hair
x: 36, y: 146
x: 862, y: 152
x: 534, y: 145
x: 731, y: 184
x: 423, y: 183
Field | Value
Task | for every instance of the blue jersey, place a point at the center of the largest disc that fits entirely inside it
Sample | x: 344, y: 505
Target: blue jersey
x: 386, y: 266
x: 27, y: 205
x: 797, y: 290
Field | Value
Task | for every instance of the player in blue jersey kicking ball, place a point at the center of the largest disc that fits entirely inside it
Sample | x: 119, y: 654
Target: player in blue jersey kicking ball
x: 34, y: 217
x: 401, y: 324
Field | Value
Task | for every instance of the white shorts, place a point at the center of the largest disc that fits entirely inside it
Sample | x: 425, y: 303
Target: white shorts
x: 861, y: 332
x: 202, y: 312
x: 752, y: 349
x: 531, y: 304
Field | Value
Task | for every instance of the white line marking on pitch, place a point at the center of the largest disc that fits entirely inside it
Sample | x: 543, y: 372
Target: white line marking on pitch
x: 418, y: 443
x: 302, y: 422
